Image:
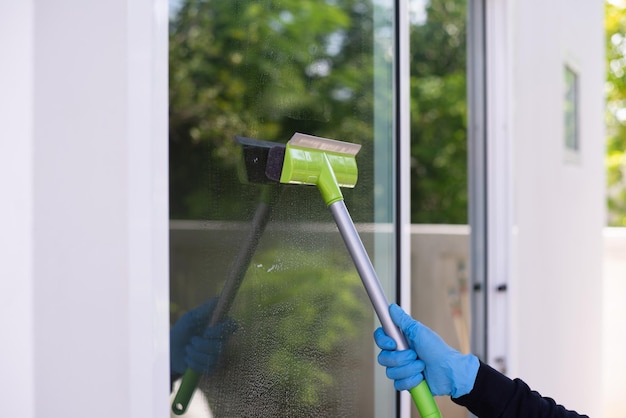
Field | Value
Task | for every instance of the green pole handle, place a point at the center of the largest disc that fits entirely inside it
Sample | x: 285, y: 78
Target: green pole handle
x: 185, y: 391
x: 424, y: 400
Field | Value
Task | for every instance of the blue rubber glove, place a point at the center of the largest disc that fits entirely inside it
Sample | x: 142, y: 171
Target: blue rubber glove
x: 194, y: 345
x: 447, y: 371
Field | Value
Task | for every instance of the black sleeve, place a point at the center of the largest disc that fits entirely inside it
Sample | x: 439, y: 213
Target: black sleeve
x: 495, y: 395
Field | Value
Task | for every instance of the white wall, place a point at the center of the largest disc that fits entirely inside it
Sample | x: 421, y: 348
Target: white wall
x: 555, y: 292
x: 614, y: 337
x: 16, y: 211
x: 83, y: 160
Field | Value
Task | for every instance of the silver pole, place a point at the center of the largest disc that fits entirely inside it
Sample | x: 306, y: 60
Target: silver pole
x: 366, y: 271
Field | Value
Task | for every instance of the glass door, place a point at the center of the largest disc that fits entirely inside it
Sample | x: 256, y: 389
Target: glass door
x: 303, y: 344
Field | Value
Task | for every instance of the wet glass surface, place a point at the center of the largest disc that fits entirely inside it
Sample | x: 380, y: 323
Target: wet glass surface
x: 265, y: 70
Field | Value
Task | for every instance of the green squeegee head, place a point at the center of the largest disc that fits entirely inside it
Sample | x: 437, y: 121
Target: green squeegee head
x: 325, y: 163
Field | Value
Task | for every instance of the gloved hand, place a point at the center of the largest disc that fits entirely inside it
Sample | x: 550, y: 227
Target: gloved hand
x: 447, y: 371
x: 194, y: 345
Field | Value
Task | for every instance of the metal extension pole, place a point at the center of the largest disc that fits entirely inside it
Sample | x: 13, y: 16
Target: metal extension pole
x: 366, y: 271
x: 421, y: 394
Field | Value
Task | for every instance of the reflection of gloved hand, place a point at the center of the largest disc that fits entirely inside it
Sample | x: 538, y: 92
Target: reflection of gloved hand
x: 194, y: 345
x: 447, y: 371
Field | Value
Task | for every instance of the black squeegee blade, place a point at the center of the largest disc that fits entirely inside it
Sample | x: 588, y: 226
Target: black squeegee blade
x: 255, y: 158
x: 274, y: 166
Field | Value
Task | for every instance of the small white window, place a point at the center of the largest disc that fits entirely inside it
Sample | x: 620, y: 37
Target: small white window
x: 570, y: 113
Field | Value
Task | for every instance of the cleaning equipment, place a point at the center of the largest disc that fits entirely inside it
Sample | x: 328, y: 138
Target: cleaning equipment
x: 330, y: 165
x: 255, y: 160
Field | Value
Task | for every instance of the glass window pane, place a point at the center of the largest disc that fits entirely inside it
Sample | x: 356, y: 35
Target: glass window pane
x: 438, y: 112
x: 570, y: 113
x: 265, y: 70
x: 439, y: 182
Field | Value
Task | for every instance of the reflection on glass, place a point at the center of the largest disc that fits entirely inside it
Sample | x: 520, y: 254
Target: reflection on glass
x: 303, y: 344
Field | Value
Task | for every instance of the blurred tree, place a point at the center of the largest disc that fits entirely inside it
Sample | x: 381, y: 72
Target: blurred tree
x: 615, y: 29
x: 263, y: 70
x: 268, y: 69
x: 438, y: 115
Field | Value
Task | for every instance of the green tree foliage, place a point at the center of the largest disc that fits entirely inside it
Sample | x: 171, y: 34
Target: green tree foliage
x: 615, y: 25
x: 263, y: 70
x: 268, y: 69
x: 438, y: 115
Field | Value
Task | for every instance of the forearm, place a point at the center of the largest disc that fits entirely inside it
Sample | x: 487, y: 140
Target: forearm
x: 495, y: 395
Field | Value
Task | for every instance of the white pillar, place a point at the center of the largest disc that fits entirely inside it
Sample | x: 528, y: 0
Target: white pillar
x: 555, y: 288
x: 16, y: 210
x: 84, y: 165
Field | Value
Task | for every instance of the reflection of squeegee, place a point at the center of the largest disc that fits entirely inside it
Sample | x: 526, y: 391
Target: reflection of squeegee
x: 255, y: 158
x: 329, y: 165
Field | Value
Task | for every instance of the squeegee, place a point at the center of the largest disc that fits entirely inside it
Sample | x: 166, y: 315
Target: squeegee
x: 330, y: 165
